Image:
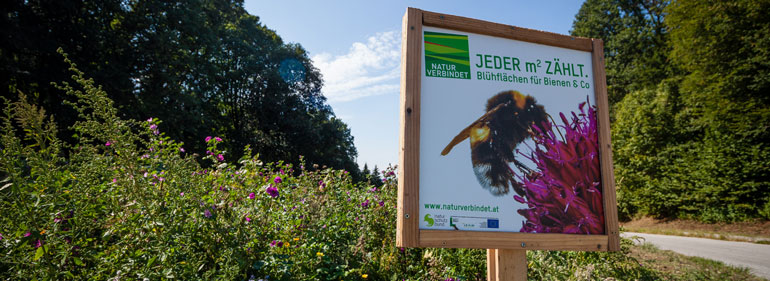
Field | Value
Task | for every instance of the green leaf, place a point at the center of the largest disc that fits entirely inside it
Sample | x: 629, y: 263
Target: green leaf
x: 152, y: 261
x: 39, y: 253
x: 78, y: 261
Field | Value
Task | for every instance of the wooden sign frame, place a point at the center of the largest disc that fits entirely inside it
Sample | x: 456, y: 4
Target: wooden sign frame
x: 408, y: 232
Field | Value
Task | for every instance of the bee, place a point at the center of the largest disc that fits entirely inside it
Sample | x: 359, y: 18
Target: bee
x: 508, y: 121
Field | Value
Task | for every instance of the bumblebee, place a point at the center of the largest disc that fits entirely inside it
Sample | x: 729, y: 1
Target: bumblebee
x: 508, y: 121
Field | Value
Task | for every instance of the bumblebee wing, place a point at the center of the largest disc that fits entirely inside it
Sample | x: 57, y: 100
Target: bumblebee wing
x: 465, y: 133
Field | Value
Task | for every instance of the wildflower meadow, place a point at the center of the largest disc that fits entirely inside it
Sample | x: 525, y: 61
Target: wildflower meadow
x: 126, y: 202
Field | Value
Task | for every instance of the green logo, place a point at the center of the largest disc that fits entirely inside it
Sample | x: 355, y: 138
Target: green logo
x: 447, y: 55
x: 428, y: 220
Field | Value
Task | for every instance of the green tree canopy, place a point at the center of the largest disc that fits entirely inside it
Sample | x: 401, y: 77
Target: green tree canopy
x: 204, y: 67
x: 689, y: 81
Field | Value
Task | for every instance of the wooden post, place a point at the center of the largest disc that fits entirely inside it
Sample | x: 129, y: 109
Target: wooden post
x: 506, y: 265
x: 491, y: 268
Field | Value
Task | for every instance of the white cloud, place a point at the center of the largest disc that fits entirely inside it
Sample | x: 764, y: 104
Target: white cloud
x: 369, y: 68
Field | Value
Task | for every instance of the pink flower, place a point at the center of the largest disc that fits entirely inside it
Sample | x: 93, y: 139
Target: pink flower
x: 181, y: 149
x: 217, y: 139
x: 220, y: 157
x: 562, y: 194
x: 107, y: 143
x: 272, y: 191
x: 149, y: 120
x: 252, y: 195
x: 181, y: 193
x: 277, y: 179
x: 208, y: 138
x: 27, y: 234
x: 248, y: 219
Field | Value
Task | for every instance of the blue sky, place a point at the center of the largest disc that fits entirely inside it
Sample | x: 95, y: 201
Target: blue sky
x: 357, y: 47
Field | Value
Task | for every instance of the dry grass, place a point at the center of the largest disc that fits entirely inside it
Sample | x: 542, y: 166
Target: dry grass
x: 753, y: 231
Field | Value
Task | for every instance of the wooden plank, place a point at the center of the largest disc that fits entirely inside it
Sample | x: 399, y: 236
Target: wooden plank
x: 491, y: 268
x: 512, y: 240
x: 511, y: 265
x: 407, y: 234
x: 605, y: 147
x: 506, y: 31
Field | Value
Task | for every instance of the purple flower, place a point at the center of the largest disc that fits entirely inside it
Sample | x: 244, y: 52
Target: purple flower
x: 562, y: 194
x: 365, y: 204
x: 153, y: 127
x: 181, y: 149
x: 207, y: 214
x: 382, y: 203
x: 107, y: 143
x: 252, y: 195
x: 149, y: 120
x: 208, y: 138
x: 217, y: 139
x: 277, y: 179
x: 38, y: 243
x: 181, y: 193
x: 220, y: 157
x: 277, y: 243
x: 248, y: 219
x: 272, y: 191
x: 1, y: 236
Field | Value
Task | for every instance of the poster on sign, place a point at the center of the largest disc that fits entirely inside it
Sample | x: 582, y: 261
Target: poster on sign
x: 503, y: 134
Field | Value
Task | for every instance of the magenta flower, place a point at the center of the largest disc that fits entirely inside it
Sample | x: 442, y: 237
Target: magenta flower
x: 220, y: 157
x: 38, y: 243
x: 252, y: 195
x: 248, y: 219
x: 181, y: 149
x: 208, y: 138
x: 1, y: 236
x: 382, y: 203
x: 562, y: 194
x: 153, y: 127
x: 107, y: 143
x: 27, y: 234
x: 277, y: 179
x: 217, y: 139
x: 272, y: 191
x: 149, y: 120
x: 181, y: 193
x: 365, y: 204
